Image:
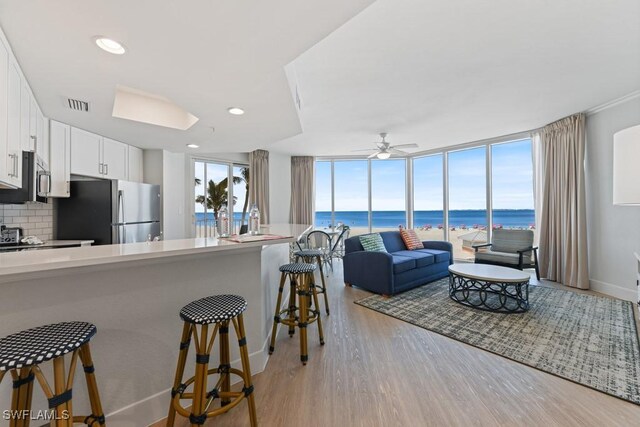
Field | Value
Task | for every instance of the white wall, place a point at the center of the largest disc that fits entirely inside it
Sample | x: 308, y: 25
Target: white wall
x: 279, y: 187
x: 168, y: 170
x: 613, y: 231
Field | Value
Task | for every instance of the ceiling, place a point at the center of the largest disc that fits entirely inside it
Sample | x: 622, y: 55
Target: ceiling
x: 442, y: 73
x: 425, y: 71
x: 204, y: 56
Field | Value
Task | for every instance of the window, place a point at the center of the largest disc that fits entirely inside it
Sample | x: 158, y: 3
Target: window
x: 323, y: 194
x: 467, y: 200
x: 351, y: 195
x: 428, y: 197
x: 212, y: 192
x: 388, y: 194
x: 512, y: 185
x: 371, y: 194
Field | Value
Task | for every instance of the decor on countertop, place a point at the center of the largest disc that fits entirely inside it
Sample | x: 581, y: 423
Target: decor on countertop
x: 372, y: 243
x: 223, y: 222
x: 254, y: 220
x: 410, y: 239
x: 586, y: 339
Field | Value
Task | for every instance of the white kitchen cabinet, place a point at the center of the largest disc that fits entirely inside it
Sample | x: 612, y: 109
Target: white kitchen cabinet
x: 86, y: 153
x: 5, y: 171
x: 42, y: 140
x: 135, y: 164
x: 26, y: 141
x: 13, y: 158
x: 60, y: 158
x: 114, y: 159
x: 95, y: 156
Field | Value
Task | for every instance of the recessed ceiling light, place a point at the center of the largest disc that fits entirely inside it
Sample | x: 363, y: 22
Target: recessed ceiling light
x: 193, y: 146
x: 236, y: 111
x: 109, y: 45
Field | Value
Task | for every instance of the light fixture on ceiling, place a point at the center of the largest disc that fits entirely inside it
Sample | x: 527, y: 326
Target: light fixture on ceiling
x: 193, y: 146
x: 383, y: 155
x: 236, y: 111
x: 110, y: 45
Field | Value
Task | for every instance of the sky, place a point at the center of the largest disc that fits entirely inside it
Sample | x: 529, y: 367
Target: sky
x: 512, y: 181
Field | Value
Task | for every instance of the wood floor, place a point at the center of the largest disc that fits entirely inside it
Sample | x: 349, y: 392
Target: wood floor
x: 378, y: 371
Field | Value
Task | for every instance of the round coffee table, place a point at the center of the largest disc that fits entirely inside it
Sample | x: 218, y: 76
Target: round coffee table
x: 489, y: 287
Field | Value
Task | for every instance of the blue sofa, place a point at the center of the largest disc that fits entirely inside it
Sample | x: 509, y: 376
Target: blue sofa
x: 399, y: 269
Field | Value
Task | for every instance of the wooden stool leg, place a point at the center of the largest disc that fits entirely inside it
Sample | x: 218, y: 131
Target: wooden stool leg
x: 314, y: 294
x: 324, y: 286
x: 60, y: 386
x: 200, y: 383
x: 92, y: 385
x: 21, y: 397
x: 276, y: 317
x: 185, y: 341
x: 293, y: 279
x: 225, y: 363
x: 246, y: 370
x: 303, y: 290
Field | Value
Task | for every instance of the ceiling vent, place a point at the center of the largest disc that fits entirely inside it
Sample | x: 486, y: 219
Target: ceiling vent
x: 77, y: 105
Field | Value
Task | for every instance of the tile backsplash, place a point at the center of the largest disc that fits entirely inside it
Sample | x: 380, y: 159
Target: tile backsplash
x: 36, y: 219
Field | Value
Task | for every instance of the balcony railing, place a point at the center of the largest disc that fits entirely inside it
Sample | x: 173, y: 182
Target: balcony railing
x: 207, y: 227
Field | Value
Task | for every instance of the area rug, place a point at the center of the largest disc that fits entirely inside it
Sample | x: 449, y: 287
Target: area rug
x: 587, y: 339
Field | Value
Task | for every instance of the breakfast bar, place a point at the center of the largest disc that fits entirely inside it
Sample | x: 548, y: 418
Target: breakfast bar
x: 133, y: 293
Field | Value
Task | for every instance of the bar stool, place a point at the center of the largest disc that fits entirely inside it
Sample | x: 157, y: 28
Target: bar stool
x: 310, y: 256
x: 219, y: 310
x: 22, y: 353
x: 301, y: 284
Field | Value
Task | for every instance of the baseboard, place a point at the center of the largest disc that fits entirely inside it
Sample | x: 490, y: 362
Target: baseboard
x: 154, y: 408
x: 614, y: 290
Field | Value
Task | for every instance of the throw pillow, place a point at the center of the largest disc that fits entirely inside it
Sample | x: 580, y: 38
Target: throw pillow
x: 372, y: 243
x: 411, y: 239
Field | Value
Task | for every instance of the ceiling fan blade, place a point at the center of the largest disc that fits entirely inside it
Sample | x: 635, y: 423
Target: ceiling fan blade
x: 381, y: 145
x: 399, y: 152
x: 406, y: 146
x: 366, y: 149
x: 373, y: 155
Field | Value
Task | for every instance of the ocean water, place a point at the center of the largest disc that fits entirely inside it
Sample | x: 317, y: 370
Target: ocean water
x: 507, y: 218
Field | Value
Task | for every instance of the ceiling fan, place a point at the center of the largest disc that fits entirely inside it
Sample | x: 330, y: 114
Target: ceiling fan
x: 385, y: 149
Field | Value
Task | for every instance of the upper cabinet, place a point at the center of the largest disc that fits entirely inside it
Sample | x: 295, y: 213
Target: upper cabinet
x: 135, y: 164
x: 95, y: 156
x: 60, y: 159
x: 7, y: 164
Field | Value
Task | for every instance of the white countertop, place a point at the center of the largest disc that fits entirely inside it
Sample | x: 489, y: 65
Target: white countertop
x: 16, y: 263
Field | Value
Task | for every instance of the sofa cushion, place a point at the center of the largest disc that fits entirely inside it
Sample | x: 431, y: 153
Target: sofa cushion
x: 501, y: 257
x: 372, y: 243
x: 441, y: 256
x: 393, y: 241
x: 410, y: 239
x: 422, y: 259
x: 402, y: 263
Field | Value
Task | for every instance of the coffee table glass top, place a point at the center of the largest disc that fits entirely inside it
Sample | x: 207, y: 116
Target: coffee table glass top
x: 488, y: 272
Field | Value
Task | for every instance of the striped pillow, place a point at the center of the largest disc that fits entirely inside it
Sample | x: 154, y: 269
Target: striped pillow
x: 411, y: 239
x: 372, y: 243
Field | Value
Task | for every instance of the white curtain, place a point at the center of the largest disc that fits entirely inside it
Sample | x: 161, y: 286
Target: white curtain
x: 563, y: 222
x: 538, y: 181
x: 302, y: 168
x: 259, y: 182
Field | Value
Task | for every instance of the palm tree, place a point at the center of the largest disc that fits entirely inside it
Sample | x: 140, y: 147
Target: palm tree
x: 244, y: 177
x: 217, y: 195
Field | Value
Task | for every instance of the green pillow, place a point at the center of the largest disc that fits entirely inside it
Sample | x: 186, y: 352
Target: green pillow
x: 372, y: 243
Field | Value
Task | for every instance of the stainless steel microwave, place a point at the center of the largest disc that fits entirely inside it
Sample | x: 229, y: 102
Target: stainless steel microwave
x: 36, y: 182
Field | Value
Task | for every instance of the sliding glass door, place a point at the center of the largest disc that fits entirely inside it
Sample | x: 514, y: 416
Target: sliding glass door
x: 212, y: 191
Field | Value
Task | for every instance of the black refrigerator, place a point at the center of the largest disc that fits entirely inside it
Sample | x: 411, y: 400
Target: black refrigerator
x: 110, y: 212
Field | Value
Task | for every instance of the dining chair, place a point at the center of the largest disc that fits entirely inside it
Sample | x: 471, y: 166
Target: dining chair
x: 318, y: 239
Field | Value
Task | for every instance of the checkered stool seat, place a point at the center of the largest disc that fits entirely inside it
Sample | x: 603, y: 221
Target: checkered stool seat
x: 309, y: 253
x: 297, y: 268
x: 37, y: 345
x: 213, y: 309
